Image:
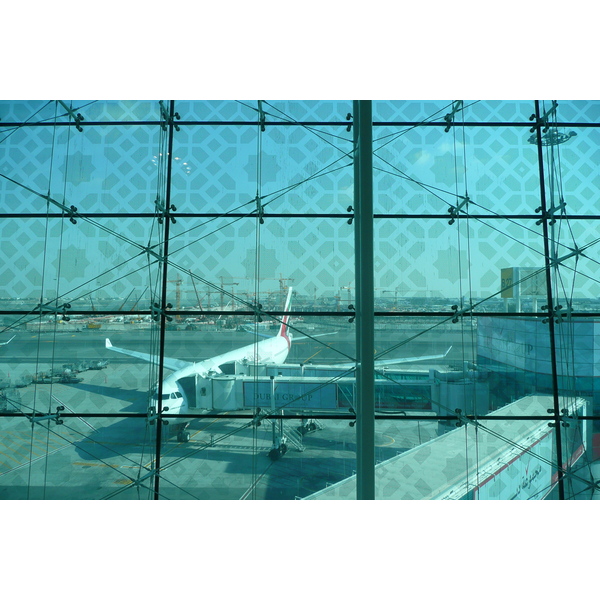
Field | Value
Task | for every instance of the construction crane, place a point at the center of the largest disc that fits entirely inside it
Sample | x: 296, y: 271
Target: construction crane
x: 231, y: 283
x: 137, y: 301
x: 177, y: 283
x: 127, y: 298
x: 282, y: 286
x: 395, y: 292
x: 347, y: 287
x: 197, y: 294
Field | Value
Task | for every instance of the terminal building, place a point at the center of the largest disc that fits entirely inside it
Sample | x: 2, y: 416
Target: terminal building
x: 517, y: 351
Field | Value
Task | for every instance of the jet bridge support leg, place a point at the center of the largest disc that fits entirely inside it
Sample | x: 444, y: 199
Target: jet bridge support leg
x: 279, y: 447
x: 283, y: 438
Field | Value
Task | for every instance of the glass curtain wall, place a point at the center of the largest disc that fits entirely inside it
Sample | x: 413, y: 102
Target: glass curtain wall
x: 178, y: 300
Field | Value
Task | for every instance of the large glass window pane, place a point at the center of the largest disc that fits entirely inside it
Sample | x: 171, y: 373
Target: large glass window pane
x: 140, y: 235
x: 292, y: 169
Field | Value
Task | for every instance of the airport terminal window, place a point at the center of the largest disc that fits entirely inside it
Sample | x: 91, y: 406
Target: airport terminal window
x: 179, y: 299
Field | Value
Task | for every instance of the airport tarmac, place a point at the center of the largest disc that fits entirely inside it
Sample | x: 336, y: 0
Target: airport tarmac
x: 104, y: 457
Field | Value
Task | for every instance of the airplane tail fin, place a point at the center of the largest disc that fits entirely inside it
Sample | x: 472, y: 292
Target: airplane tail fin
x: 283, y: 330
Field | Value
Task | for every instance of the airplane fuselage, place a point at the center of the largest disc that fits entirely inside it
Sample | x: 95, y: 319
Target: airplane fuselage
x: 173, y: 400
x: 272, y: 351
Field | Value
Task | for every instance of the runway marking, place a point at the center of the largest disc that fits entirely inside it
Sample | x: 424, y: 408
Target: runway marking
x: 90, y: 464
x: 36, y: 446
x: 87, y: 441
x: 29, y: 463
x: 11, y: 458
x: 237, y: 446
x: 16, y: 451
x: 317, y: 352
x: 33, y: 441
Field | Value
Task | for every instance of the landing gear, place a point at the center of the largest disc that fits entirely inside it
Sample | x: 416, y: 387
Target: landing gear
x: 277, y: 451
x: 307, y: 426
x: 183, y: 437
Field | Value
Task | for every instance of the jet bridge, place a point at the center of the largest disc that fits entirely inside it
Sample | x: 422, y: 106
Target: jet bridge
x: 329, y: 388
x: 311, y: 389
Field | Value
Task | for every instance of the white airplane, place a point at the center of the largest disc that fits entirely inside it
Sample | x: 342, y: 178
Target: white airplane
x: 271, y: 351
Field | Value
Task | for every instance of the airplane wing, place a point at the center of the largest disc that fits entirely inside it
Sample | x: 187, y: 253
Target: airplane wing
x: 9, y: 341
x: 295, y: 337
x: 250, y: 329
x: 396, y: 361
x: 173, y: 364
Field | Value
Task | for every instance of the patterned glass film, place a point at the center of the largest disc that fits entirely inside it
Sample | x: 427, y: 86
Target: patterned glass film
x: 179, y: 299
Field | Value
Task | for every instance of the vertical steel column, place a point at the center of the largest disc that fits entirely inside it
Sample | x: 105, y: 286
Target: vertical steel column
x: 365, y: 322
x: 548, y: 250
x: 163, y: 300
